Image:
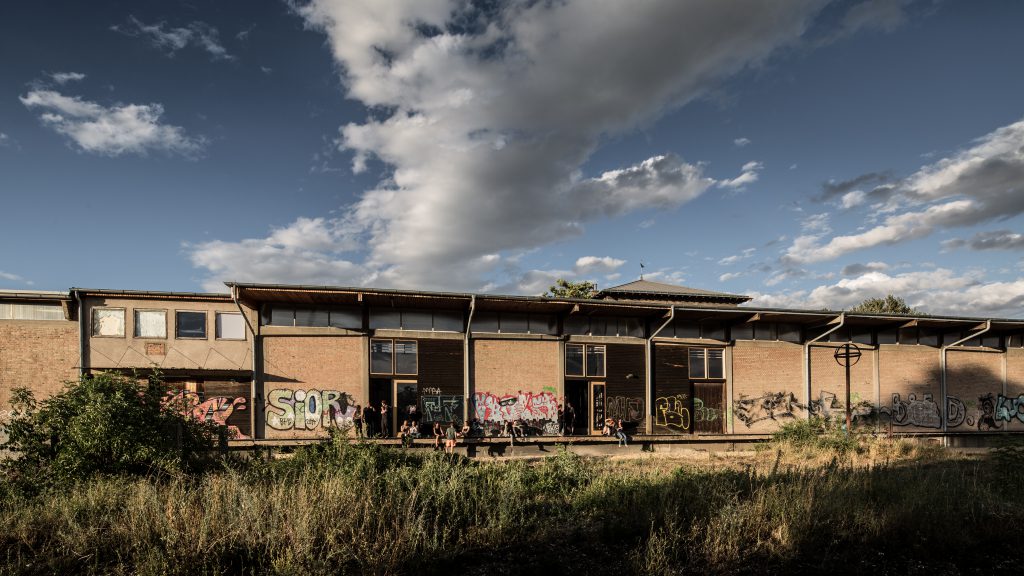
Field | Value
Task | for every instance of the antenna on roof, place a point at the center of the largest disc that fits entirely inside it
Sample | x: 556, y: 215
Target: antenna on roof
x: 641, y: 270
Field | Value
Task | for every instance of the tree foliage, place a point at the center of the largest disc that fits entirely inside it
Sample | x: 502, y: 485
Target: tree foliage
x: 103, y: 424
x: 564, y: 289
x: 889, y: 305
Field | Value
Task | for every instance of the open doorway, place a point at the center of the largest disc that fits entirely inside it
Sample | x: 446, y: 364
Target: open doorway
x: 407, y: 401
x: 577, y: 402
x: 380, y: 391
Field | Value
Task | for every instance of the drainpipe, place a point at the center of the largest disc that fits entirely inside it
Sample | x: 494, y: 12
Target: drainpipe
x: 942, y: 363
x: 82, y: 339
x: 252, y: 384
x: 807, y: 358
x: 649, y: 385
x: 465, y: 359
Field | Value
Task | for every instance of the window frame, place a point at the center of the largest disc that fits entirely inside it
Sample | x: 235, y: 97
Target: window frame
x: 394, y: 356
x: 216, y: 326
x: 583, y: 360
x: 206, y: 325
x: 93, y: 323
x: 604, y: 361
x: 135, y: 325
x: 707, y: 363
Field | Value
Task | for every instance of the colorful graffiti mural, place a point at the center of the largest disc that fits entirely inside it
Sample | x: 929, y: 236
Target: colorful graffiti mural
x: 538, y: 412
x: 215, y: 409
x: 308, y: 409
x: 625, y: 408
x: 441, y: 408
x: 672, y: 412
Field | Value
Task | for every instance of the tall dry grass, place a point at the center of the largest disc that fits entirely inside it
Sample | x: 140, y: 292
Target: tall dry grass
x: 341, y: 508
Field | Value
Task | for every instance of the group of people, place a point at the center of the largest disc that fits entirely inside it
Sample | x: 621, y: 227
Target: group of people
x: 614, y: 428
x: 370, y: 422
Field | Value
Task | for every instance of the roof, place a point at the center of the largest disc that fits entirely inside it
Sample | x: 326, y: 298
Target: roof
x: 152, y: 295
x: 646, y: 287
x: 33, y: 295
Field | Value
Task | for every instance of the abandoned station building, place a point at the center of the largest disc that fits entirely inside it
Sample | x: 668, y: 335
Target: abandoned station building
x: 282, y: 363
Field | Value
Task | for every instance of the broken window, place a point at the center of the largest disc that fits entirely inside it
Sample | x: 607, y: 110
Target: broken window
x: 108, y: 322
x: 151, y: 324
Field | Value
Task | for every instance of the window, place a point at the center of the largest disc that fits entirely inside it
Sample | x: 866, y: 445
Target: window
x: 764, y: 331
x: 585, y: 360
x: 417, y: 320
x: 712, y: 330
x: 108, y: 322
x: 312, y: 318
x: 189, y: 324
x: 862, y: 336
x: 929, y: 338
x: 514, y: 323
x: 577, y: 325
x: 789, y: 332
x: 424, y: 320
x: 991, y: 341
x: 282, y: 316
x: 707, y: 363
x: 687, y: 330
x: 151, y: 324
x: 351, y: 318
x: 385, y: 318
x: 31, y: 312
x: 230, y: 326
x: 743, y: 331
x: 447, y: 321
x: 393, y: 356
x: 485, y: 322
x: 890, y: 336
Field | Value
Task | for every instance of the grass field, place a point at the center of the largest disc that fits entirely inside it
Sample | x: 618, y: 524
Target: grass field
x: 797, y: 505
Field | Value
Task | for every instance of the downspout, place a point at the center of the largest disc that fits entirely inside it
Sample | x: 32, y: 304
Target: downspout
x: 649, y: 384
x: 942, y: 363
x: 82, y: 340
x: 807, y: 358
x: 465, y: 359
x: 252, y: 383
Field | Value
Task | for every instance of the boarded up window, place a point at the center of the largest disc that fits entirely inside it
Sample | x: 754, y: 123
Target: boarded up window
x: 31, y: 312
x: 151, y: 324
x: 108, y: 322
x: 230, y: 326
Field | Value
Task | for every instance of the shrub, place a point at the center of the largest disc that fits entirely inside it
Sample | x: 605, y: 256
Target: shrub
x: 102, y: 424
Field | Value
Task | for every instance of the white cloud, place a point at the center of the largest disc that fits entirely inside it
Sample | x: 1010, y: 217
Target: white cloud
x: 65, y: 77
x: 10, y: 277
x: 597, y: 265
x: 859, y: 269
x: 743, y: 255
x: 990, y: 240
x: 171, y: 40
x: 749, y: 175
x: 729, y: 276
x: 853, y: 199
x: 111, y: 131
x: 937, y: 291
x: 741, y: 142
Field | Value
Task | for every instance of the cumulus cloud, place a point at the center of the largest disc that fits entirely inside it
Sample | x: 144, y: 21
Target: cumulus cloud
x: 979, y: 184
x: 991, y: 240
x: 729, y: 276
x: 859, y: 269
x: 485, y: 115
x: 597, y: 265
x: 114, y: 130
x: 741, y: 142
x: 65, y: 77
x: 743, y: 255
x: 749, y: 175
x: 170, y: 39
x: 938, y: 291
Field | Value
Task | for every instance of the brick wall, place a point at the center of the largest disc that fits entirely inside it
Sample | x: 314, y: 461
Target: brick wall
x: 311, y: 383
x: 828, y: 383
x: 768, y: 385
x: 36, y: 354
x: 912, y: 372
x: 516, y: 379
x: 975, y: 379
x: 1015, y: 381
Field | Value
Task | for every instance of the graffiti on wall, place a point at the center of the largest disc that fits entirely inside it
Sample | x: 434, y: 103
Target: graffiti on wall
x: 538, y: 412
x: 441, y: 408
x: 215, y: 409
x: 308, y: 409
x: 672, y: 412
x: 923, y: 413
x: 990, y: 412
x: 828, y: 405
x: 704, y: 413
x: 625, y: 408
x: 770, y: 406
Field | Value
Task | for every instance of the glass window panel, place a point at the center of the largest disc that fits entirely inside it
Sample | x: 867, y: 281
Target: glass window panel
x: 713, y: 331
x: 417, y: 320
x: 574, y: 359
x: 577, y: 325
x: 107, y: 322
x: 385, y: 318
x: 543, y: 324
x: 908, y: 335
x: 600, y: 326
x: 1015, y: 341
x: 351, y: 318
x: 595, y: 360
x: 380, y: 356
x: 151, y: 324
x: 929, y: 338
x: 230, y: 326
x: 788, y: 332
x: 716, y: 363
x: 634, y: 327
x: 405, y: 356
x: 512, y: 323
x: 840, y: 335
x: 485, y: 322
x: 743, y: 331
x: 972, y: 342
x: 280, y: 316
x: 308, y: 317
x: 34, y: 312
x: 448, y: 320
x: 190, y: 324
x: 697, y: 370
x: 687, y: 330
x: 764, y: 331
x: 891, y: 336
x: 862, y: 336
x: 991, y: 341
x: 6, y: 311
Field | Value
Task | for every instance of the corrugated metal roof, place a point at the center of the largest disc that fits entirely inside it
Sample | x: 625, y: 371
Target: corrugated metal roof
x: 660, y: 288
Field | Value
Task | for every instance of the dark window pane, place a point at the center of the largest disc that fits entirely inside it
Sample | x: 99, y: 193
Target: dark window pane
x: 929, y: 338
x: 595, y: 360
x: 991, y: 341
x: 712, y: 331
x: 405, y: 357
x: 417, y: 320
x: 280, y: 316
x: 687, y: 330
x: 908, y: 335
x: 764, y: 331
x: 600, y: 326
x: 634, y: 327
x: 862, y: 336
x: 697, y: 363
x: 574, y: 359
x: 190, y: 324
x: 789, y: 332
x: 380, y: 356
x: 385, y: 318
x: 577, y: 325
x: 716, y: 363
x: 448, y: 320
x: 306, y: 317
x: 743, y: 331
x: 485, y: 322
x: 543, y: 324
x: 347, y: 318
x: 972, y: 342
x: 512, y: 323
x: 1014, y: 341
x: 840, y: 335
x: 888, y: 336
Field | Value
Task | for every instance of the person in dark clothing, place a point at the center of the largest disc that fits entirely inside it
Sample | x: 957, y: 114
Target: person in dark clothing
x: 385, y: 419
x: 570, y: 419
x: 369, y: 420
x: 357, y: 421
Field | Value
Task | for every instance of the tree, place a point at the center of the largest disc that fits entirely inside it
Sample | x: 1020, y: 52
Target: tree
x: 889, y: 305
x: 564, y: 289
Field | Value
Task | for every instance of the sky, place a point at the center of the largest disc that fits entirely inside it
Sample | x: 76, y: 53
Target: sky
x: 809, y: 154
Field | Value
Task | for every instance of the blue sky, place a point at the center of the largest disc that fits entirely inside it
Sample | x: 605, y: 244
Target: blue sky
x: 808, y: 153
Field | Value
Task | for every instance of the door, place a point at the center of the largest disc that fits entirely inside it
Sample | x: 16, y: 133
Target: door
x: 597, y: 408
x: 577, y: 410
x: 380, y: 391
x: 708, y: 417
x: 406, y: 403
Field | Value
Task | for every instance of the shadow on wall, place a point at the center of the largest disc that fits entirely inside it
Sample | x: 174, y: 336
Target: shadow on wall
x: 981, y: 407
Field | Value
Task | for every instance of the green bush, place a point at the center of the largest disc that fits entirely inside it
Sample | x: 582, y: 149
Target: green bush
x: 816, y: 433
x: 102, y: 424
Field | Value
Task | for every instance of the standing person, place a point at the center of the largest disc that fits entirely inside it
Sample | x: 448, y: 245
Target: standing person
x: 357, y: 421
x: 449, y: 439
x: 404, y: 434
x: 385, y: 419
x: 437, y: 435
x: 369, y: 420
x: 620, y: 433
x: 570, y: 419
x: 561, y: 418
